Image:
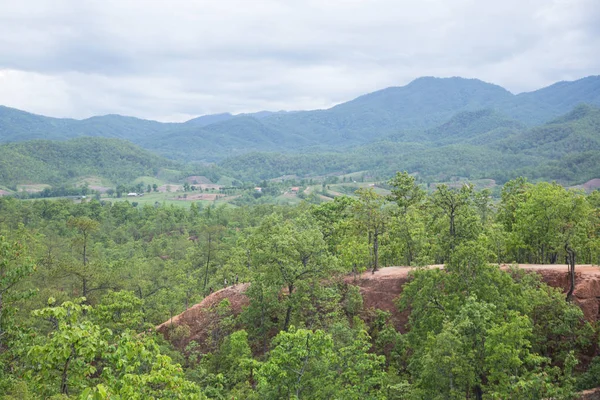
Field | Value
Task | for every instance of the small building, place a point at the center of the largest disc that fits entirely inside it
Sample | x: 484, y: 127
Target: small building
x: 132, y: 194
x: 258, y: 189
x: 295, y: 189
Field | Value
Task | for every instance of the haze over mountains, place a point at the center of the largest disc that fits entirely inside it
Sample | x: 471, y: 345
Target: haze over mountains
x: 448, y: 126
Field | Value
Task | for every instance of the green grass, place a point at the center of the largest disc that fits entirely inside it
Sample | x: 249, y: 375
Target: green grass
x: 148, y: 180
x: 33, y: 187
x: 167, y: 198
x: 348, y: 188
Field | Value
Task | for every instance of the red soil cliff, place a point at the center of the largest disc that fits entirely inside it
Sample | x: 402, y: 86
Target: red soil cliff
x: 379, y: 291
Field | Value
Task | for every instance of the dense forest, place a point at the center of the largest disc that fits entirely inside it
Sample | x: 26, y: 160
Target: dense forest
x: 82, y: 286
x: 472, y: 145
x: 59, y: 162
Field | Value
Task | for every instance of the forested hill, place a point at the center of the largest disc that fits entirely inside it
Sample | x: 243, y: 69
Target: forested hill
x: 472, y: 144
x: 397, y: 111
x: 481, y: 144
x: 54, y: 162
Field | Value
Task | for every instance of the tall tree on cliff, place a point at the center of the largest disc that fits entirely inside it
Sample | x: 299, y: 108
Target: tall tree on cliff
x: 372, y: 217
x: 553, y: 222
x: 287, y: 252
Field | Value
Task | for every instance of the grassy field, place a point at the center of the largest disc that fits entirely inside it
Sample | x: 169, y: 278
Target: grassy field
x: 168, y: 198
x: 149, y: 180
x: 32, y: 188
x: 170, y: 192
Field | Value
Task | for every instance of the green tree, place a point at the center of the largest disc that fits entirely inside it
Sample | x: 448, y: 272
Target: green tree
x: 62, y: 362
x: 92, y: 276
x: 454, y: 205
x: 373, y: 218
x: 135, y: 369
x: 286, y: 252
x: 119, y: 311
x: 479, y: 331
x: 408, y: 222
x: 306, y: 364
x: 554, y: 221
x: 405, y: 191
x: 15, y: 266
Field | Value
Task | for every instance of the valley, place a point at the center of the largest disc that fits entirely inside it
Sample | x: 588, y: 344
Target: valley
x: 239, y: 256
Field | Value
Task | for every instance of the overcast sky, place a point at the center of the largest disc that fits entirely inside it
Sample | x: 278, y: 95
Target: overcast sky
x: 174, y: 60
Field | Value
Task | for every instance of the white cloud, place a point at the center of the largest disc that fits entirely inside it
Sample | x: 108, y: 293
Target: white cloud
x: 171, y: 60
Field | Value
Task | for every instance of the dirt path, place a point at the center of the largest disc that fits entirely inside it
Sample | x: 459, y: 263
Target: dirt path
x: 584, y: 269
x: 399, y: 272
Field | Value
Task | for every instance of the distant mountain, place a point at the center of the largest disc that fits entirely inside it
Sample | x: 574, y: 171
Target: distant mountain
x: 17, y: 125
x: 545, y: 104
x: 205, y: 120
x: 209, y: 119
x: 576, y: 131
x: 469, y: 125
x: 470, y: 144
x: 441, y: 110
x: 566, y: 149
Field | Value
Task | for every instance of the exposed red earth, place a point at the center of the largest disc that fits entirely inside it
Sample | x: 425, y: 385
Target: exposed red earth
x: 592, y: 184
x: 197, y: 317
x: 380, y: 290
x: 592, y: 394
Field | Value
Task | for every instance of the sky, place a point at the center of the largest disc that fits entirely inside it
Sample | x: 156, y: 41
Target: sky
x: 178, y: 59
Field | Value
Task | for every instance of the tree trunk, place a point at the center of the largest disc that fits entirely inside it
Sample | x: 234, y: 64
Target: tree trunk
x: 376, y: 251
x: 409, y: 248
x: 478, y: 393
x: 452, y: 233
x: 571, y: 259
x: 370, y: 249
x: 207, y: 264
x: 84, y: 250
x: 64, y: 388
x: 288, y: 312
x: 288, y: 315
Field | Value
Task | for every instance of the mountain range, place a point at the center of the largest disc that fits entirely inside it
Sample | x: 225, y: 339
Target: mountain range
x: 435, y: 126
x: 422, y: 104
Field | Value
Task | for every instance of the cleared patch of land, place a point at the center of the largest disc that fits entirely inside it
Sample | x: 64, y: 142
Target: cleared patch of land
x: 32, y: 188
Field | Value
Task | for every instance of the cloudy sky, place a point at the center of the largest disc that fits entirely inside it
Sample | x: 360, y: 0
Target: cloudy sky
x: 173, y: 60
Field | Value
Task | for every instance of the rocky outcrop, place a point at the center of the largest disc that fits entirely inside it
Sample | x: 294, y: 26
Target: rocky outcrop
x: 196, y: 321
x: 379, y: 291
x: 593, y: 394
x: 587, y: 285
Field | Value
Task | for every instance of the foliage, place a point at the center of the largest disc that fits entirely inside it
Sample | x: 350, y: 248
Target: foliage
x: 475, y: 330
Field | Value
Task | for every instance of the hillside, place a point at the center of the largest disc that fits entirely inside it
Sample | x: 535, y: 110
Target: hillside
x: 17, y: 125
x: 233, y: 136
x: 55, y: 162
x: 471, y: 144
x: 422, y: 105
x: 469, y: 126
x: 380, y: 291
x: 544, y: 104
x: 480, y: 144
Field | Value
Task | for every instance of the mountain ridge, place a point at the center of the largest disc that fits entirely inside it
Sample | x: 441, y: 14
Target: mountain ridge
x: 404, y: 111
